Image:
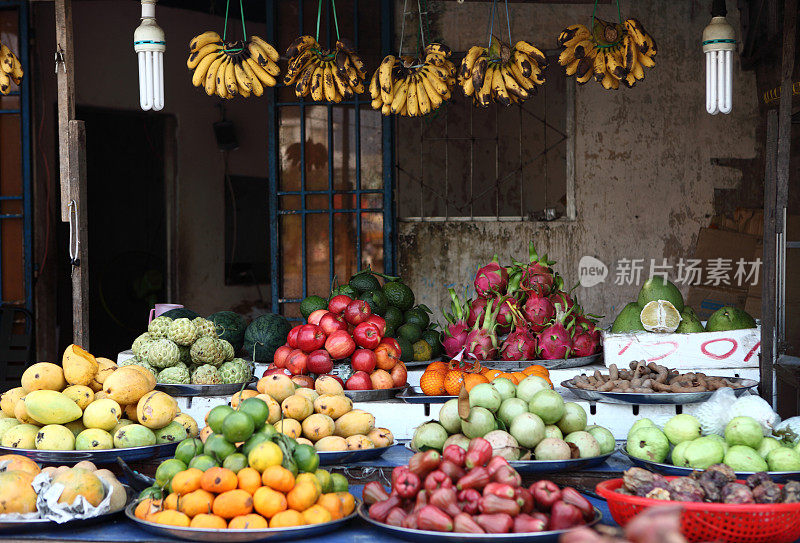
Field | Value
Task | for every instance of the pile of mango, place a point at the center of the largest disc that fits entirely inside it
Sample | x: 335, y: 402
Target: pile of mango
x: 83, y: 479
x: 89, y: 403
x: 323, y: 416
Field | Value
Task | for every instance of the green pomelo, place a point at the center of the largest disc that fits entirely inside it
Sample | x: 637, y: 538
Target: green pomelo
x: 729, y: 318
x: 628, y: 320
x: 656, y: 288
x: 690, y: 324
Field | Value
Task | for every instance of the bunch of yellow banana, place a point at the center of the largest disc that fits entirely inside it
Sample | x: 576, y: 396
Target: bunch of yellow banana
x: 330, y: 76
x: 508, y: 78
x: 612, y: 53
x: 232, y: 69
x: 413, y: 87
x: 10, y: 69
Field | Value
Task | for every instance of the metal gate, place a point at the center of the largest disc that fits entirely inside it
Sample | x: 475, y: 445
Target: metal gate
x: 331, y: 179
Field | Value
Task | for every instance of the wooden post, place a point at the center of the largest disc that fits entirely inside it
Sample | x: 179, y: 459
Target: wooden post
x: 768, y: 291
x: 80, y: 267
x: 65, y: 78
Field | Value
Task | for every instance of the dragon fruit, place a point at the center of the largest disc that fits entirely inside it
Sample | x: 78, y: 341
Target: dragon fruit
x: 477, y: 309
x: 519, y: 345
x: 491, y: 279
x: 482, y: 341
x: 455, y: 333
x: 560, y: 297
x: 586, y: 343
x: 555, y: 342
x: 537, y: 275
x: 506, y: 315
x: 538, y: 311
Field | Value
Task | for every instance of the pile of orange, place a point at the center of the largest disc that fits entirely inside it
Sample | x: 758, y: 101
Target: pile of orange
x: 440, y: 378
x: 219, y: 498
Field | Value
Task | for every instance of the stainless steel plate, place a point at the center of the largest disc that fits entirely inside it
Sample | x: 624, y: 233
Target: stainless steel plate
x: 668, y: 469
x: 425, y: 536
x: 679, y: 398
x: 108, y: 456
x: 297, y: 533
x: 373, y: 395
x: 329, y: 458
x: 202, y: 390
x: 544, y: 466
x: 415, y: 395
x: 549, y: 364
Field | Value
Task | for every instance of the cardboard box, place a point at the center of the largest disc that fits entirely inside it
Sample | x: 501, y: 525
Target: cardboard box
x: 733, y: 246
x: 705, y: 301
x: 731, y: 349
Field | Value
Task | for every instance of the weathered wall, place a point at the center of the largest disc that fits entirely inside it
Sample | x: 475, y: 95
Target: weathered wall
x: 644, y: 181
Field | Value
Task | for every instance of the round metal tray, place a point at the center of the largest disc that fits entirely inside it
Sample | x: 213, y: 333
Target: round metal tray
x: 678, y: 398
x: 374, y: 395
x: 669, y: 469
x: 329, y: 458
x: 545, y: 466
x: 424, y: 536
x: 560, y: 364
x: 297, y: 533
x: 202, y: 390
x: 106, y: 456
x: 415, y: 395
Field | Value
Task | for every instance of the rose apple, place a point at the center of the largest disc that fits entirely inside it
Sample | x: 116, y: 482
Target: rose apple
x: 319, y: 361
x: 330, y: 323
x: 399, y: 374
x: 310, y: 338
x: 303, y: 381
x: 367, y: 335
x: 387, y: 354
x: 357, y: 312
x: 380, y: 322
x: 316, y: 316
x: 338, y: 303
x: 381, y: 379
x: 340, y: 345
x: 297, y: 362
x: 363, y: 360
x: 359, y: 381
x: 280, y: 356
x: 291, y: 339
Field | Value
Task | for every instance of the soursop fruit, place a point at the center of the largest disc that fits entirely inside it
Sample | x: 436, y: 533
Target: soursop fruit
x: 176, y: 375
x: 227, y: 349
x: 206, y: 375
x: 139, y: 344
x: 182, y: 332
x: 205, y: 328
x: 163, y: 353
x: 159, y: 327
x: 234, y: 372
x: 136, y: 362
x: 207, y: 350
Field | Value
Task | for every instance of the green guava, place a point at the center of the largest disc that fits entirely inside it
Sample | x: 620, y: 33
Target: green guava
x: 682, y: 428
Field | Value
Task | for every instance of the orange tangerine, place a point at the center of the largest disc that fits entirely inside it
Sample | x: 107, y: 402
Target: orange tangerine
x: 196, y: 502
x: 171, y: 501
x: 248, y: 522
x: 268, y: 502
x: 432, y: 383
x: 249, y: 480
x: 218, y: 480
x: 147, y: 508
x: 186, y: 481
x: 436, y: 366
x: 510, y: 376
x: 492, y: 374
x: 348, y: 502
x: 302, y: 496
x: 316, y: 514
x: 333, y: 504
x: 472, y: 379
x: 171, y: 518
x: 233, y: 503
x: 278, y: 478
x: 205, y: 520
x: 287, y: 518
x: 453, y: 380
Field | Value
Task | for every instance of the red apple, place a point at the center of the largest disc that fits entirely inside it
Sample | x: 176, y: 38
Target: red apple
x: 378, y: 321
x: 367, y: 335
x: 392, y: 343
x: 280, y: 356
x: 303, y: 381
x: 387, y: 354
x: 291, y: 339
x: 363, y: 360
x: 340, y: 345
x: 314, y: 317
x: 319, y: 362
x: 310, y: 338
x: 272, y: 371
x: 334, y: 376
x: 359, y: 381
x: 338, y: 303
x: 297, y: 362
x: 381, y: 379
x: 399, y: 374
x: 330, y: 323
x: 357, y: 312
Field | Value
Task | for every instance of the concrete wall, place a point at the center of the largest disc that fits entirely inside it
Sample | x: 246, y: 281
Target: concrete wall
x: 644, y: 182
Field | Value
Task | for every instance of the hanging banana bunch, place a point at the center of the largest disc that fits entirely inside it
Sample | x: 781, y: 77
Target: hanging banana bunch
x: 10, y: 69
x: 232, y: 69
x: 610, y: 52
x: 330, y: 76
x: 413, y: 87
x: 501, y: 73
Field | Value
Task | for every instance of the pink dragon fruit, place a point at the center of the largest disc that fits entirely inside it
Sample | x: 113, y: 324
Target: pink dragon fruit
x: 482, y: 341
x: 586, y: 343
x: 538, y: 311
x: 537, y: 275
x: 477, y: 309
x: 491, y: 279
x: 562, y: 298
x: 555, y: 342
x: 455, y: 333
x: 506, y: 315
x: 519, y: 345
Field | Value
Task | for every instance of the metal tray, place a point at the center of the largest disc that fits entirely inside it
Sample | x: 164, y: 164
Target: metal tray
x: 678, y: 398
x: 669, y: 469
x: 297, y: 533
x: 424, y: 536
x: 415, y: 395
x: 375, y: 395
x: 202, y: 390
x: 107, y: 456
x: 329, y: 458
x: 560, y: 364
x: 551, y: 466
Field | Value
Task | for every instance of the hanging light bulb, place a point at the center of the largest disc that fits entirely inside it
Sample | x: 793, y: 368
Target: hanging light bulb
x: 719, y: 43
x: 149, y: 44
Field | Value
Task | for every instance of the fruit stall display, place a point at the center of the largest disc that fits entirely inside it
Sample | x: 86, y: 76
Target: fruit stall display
x: 447, y: 378
x: 520, y: 312
x: 89, y: 404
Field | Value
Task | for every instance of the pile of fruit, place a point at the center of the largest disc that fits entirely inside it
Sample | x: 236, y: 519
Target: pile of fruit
x: 526, y: 302
x: 83, y: 480
x: 321, y: 416
x: 440, y: 378
x: 649, y: 378
x: 716, y: 484
x: 10, y: 69
x: 325, y: 75
x: 529, y: 421
x: 80, y: 406
x: 660, y: 308
x: 470, y: 491
x: 244, y: 474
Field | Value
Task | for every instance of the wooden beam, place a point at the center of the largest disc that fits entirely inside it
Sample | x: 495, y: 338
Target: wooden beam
x: 785, y: 108
x: 65, y: 78
x: 79, y: 232
x: 768, y: 301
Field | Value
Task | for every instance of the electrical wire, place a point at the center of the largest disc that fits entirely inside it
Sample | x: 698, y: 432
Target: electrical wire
x: 45, y: 162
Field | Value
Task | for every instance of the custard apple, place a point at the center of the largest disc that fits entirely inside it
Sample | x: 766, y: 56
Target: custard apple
x: 185, y: 356
x: 159, y: 327
x: 206, y: 375
x: 234, y: 372
x: 163, y: 353
x: 227, y: 348
x: 176, y: 375
x: 139, y: 343
x: 205, y: 328
x: 182, y: 331
x: 136, y: 362
x: 208, y: 350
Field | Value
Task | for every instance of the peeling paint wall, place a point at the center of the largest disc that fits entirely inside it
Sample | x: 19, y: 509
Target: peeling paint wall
x: 644, y: 181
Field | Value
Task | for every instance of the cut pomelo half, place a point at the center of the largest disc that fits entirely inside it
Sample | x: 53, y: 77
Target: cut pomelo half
x: 660, y: 316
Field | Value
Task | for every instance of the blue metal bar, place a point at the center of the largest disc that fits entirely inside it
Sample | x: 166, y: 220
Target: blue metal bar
x: 272, y: 160
x: 387, y: 150
x: 11, y: 197
x: 329, y: 108
x: 329, y: 211
x: 297, y: 192
x: 10, y: 111
x: 357, y: 113
x: 12, y: 216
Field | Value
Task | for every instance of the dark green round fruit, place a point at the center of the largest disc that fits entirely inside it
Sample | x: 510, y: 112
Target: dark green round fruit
x: 235, y: 462
x: 393, y: 317
x: 167, y: 470
x: 188, y: 449
x: 203, y: 462
x: 257, y: 409
x: 306, y: 458
x: 418, y: 316
x: 339, y: 482
x: 399, y: 295
x: 218, y: 448
x: 406, y: 349
x: 152, y: 492
x: 311, y: 304
x: 216, y: 417
x: 364, y: 282
x: 376, y: 300
x: 254, y: 440
x: 410, y: 332
x: 345, y: 289
x: 434, y: 339
x: 237, y: 427
x: 268, y: 430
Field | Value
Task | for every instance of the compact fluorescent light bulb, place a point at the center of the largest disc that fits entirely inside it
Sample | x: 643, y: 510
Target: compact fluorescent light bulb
x: 719, y: 43
x: 149, y: 44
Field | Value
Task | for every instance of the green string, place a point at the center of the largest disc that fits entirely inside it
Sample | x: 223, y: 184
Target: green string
x: 225, y: 29
x: 594, y: 12
x: 491, y: 23
x: 319, y: 17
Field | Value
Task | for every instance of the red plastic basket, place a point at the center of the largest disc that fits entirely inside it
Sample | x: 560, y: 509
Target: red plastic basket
x: 700, y: 521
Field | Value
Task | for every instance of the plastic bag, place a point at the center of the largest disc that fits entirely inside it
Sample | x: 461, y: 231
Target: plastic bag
x: 713, y: 413
x: 49, y: 507
x: 789, y: 429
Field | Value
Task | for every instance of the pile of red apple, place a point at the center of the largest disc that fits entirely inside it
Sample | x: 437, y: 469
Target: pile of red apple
x: 471, y: 491
x: 346, y: 330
